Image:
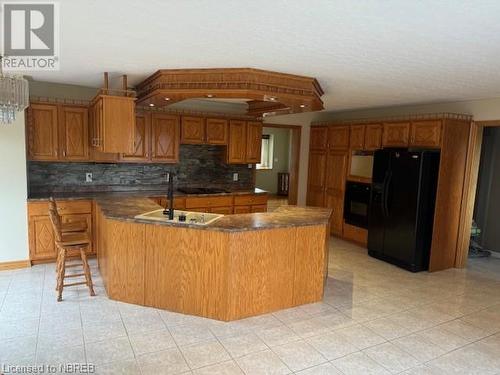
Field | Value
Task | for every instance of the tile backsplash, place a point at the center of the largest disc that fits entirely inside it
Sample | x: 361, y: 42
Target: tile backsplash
x: 199, y: 165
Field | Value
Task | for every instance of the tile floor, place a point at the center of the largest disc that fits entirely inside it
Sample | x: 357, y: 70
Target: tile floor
x: 374, y: 319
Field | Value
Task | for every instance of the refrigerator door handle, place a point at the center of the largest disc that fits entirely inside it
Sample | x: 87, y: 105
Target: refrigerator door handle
x: 387, y: 183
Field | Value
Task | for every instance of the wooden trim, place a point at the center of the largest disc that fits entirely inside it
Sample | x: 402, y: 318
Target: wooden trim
x: 489, y: 123
x: 4, y: 266
x: 398, y: 118
x: 294, y: 162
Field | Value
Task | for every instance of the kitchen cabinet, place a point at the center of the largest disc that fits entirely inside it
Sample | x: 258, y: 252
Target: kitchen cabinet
x: 254, y: 142
x: 41, y: 234
x: 357, y: 137
x: 316, y: 178
x: 373, y: 137
x: 242, y: 209
x: 192, y: 130
x: 396, y: 134
x: 227, y: 210
x: 236, y: 149
x: 165, y: 131
x: 113, y: 123
x: 318, y: 138
x: 42, y: 129
x: 338, y: 137
x: 142, y: 140
x: 426, y: 133
x: 74, y: 133
x: 216, y: 131
x: 335, y: 178
x: 95, y: 154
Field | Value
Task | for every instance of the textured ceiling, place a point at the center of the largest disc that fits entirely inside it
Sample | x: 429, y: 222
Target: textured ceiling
x: 364, y: 53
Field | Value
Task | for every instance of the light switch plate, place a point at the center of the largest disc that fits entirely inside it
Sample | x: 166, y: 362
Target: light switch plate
x: 88, y: 177
x: 235, y: 177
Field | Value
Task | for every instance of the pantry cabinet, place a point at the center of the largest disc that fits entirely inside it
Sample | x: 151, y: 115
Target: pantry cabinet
x: 318, y: 138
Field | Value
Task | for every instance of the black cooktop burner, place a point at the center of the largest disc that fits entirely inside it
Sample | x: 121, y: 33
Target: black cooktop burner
x: 201, y: 190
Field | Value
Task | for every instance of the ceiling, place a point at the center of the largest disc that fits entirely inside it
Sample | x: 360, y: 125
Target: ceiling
x: 363, y: 53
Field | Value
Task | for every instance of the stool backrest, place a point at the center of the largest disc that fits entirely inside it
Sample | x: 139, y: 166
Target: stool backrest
x: 55, y: 219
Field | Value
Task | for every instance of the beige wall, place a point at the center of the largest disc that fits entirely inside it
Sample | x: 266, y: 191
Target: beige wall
x: 13, y: 192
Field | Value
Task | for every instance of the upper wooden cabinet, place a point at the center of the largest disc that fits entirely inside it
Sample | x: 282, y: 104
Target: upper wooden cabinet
x: 142, y: 142
x: 113, y: 124
x: 57, y: 132
x: 74, y: 132
x: 426, y: 133
x: 42, y: 132
x: 254, y: 142
x: 192, y: 130
x: 318, y: 138
x: 216, y: 131
x: 373, y: 137
x: 245, y: 142
x: 357, y: 137
x: 338, y: 137
x: 396, y: 134
x: 165, y: 130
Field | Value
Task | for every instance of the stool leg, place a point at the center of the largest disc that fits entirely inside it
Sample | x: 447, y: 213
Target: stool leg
x: 58, y: 267
x: 62, y: 273
x: 86, y: 270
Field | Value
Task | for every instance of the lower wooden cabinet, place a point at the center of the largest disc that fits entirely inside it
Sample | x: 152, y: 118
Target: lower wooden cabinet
x: 242, y: 209
x: 41, y: 234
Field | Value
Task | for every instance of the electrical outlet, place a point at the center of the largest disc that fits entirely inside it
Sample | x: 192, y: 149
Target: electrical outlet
x: 88, y: 177
x: 235, y: 177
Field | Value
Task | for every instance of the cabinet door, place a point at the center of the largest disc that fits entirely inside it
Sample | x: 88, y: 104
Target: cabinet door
x: 335, y: 188
x: 259, y: 208
x: 396, y: 134
x: 318, y: 138
x: 357, y: 137
x: 165, y: 131
x: 373, y: 137
x: 426, y: 133
x: 96, y: 124
x: 72, y: 218
x: 242, y: 209
x: 41, y: 238
x: 254, y: 141
x: 316, y: 179
x: 338, y: 137
x: 222, y: 210
x: 192, y: 130
x: 118, y: 124
x: 74, y: 132
x: 142, y: 142
x: 237, y: 142
x: 216, y: 131
x: 42, y: 132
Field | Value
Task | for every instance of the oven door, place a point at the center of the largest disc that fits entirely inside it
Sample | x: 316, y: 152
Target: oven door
x: 357, y: 199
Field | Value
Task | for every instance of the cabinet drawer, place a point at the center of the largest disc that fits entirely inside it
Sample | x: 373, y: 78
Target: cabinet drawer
x: 251, y: 199
x: 222, y: 210
x: 242, y: 209
x: 259, y: 208
x: 64, y: 207
x: 196, y: 202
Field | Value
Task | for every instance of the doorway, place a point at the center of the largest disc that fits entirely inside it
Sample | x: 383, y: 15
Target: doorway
x: 279, y: 168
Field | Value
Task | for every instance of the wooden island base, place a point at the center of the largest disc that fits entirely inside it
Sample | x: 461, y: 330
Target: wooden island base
x: 223, y: 275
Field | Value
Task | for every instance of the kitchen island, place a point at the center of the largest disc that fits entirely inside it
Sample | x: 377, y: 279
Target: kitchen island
x: 237, y: 266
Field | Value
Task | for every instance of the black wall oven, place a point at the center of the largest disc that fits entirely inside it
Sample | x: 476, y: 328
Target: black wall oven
x: 357, y: 199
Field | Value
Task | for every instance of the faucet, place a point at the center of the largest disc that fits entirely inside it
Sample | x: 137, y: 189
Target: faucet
x: 170, y: 197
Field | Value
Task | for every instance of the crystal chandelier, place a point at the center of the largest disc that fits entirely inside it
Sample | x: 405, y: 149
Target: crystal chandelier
x: 14, y: 96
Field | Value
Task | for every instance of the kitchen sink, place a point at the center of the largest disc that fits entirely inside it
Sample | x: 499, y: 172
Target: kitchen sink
x: 190, y: 217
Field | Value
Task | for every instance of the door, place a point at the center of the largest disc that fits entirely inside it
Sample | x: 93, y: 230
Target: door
x: 165, y: 137
x: 41, y: 238
x: 376, y: 213
x: 142, y: 141
x: 237, y: 142
x: 401, y: 206
x: 74, y: 133
x: 338, y: 137
x: 216, y: 131
x: 316, y: 179
x: 192, y: 130
x: 42, y: 132
x: 336, y: 165
x: 254, y: 141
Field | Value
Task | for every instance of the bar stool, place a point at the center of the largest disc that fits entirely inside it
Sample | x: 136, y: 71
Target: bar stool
x: 70, y: 243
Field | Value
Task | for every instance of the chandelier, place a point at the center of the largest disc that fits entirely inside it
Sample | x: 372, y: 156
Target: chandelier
x: 14, y: 96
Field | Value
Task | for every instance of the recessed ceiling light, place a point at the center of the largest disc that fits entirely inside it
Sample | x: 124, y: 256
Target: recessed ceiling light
x: 273, y: 98
x: 167, y: 99
x: 302, y: 106
x: 151, y: 105
x: 210, y: 96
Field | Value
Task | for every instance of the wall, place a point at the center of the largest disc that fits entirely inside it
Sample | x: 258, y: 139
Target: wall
x: 13, y: 220
x: 267, y: 179
x: 200, y: 165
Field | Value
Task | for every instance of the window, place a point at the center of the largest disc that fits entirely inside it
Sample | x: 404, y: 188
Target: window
x: 267, y: 152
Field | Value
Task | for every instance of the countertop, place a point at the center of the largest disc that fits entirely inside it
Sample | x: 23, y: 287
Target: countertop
x: 126, y: 208
x: 43, y: 196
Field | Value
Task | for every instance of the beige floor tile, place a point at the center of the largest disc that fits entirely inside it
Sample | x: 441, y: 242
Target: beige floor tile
x: 224, y: 368
x: 127, y: 367
x: 332, y: 345
x: 387, y: 328
x: 324, y: 369
x: 391, y: 357
x: 299, y: 355
x: 143, y: 343
x: 360, y: 336
x: 238, y: 346
x: 109, y: 351
x: 189, y: 334
x: 262, y: 363
x: 58, y: 356
x: 443, y: 338
x: 309, y: 327
x: 359, y: 363
x: 166, y: 362
x: 420, y: 347
x: 277, y: 335
x: 204, y: 354
x: 101, y: 331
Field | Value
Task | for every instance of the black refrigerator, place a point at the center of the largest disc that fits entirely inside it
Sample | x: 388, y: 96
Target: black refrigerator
x: 401, y: 211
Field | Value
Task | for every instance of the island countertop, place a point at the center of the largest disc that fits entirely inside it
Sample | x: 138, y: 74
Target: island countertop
x: 126, y: 208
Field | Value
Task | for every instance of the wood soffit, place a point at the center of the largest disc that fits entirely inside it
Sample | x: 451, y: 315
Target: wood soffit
x: 411, y: 117
x: 265, y: 92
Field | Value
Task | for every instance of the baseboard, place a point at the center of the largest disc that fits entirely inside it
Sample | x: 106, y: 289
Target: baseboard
x: 495, y: 254
x: 14, y: 265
